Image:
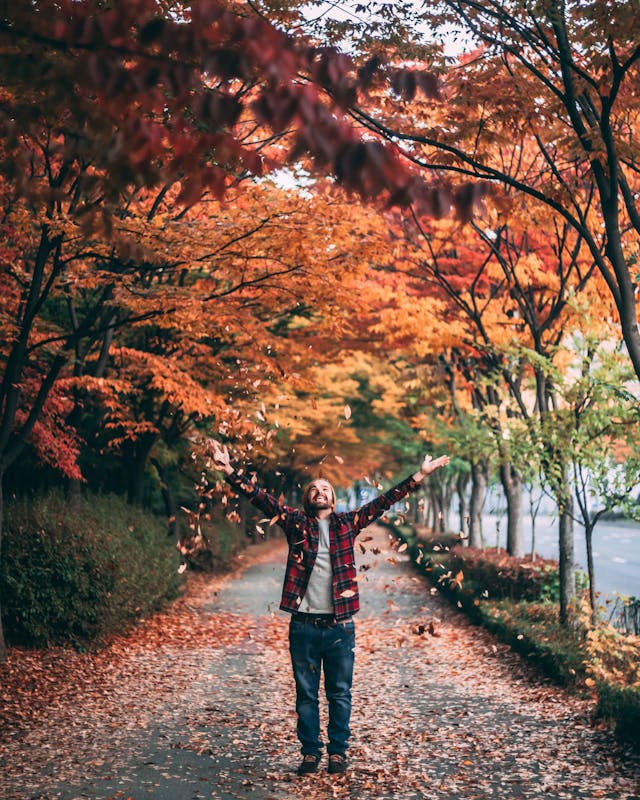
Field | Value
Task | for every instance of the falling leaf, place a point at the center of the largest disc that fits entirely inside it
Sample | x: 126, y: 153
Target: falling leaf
x: 182, y: 568
x: 347, y: 593
x: 432, y: 629
x: 403, y: 547
x: 347, y: 412
x: 339, y: 459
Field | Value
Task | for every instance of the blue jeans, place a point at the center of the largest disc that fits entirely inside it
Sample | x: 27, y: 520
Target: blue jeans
x: 331, y: 649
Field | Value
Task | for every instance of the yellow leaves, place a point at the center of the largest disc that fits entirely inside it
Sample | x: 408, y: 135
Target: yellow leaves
x: 613, y: 657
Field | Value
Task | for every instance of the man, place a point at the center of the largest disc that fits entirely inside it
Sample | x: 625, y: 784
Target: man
x: 321, y: 593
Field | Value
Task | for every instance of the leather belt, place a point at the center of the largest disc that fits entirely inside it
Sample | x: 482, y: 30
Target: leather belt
x: 317, y: 620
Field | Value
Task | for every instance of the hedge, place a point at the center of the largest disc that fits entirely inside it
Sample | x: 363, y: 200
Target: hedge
x: 518, y: 603
x: 76, y: 572
x: 621, y: 706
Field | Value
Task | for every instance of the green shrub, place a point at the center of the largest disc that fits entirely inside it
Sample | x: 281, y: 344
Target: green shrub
x: 76, y: 572
x: 503, y: 576
x: 621, y: 704
x: 569, y: 654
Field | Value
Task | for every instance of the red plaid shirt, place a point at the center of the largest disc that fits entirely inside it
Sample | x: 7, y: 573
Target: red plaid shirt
x: 302, y: 535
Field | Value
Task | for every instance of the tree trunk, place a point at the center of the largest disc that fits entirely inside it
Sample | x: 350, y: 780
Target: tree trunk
x: 3, y: 646
x: 74, y: 492
x: 439, y: 506
x: 136, y: 468
x: 533, y: 513
x: 414, y: 511
x: 588, y: 532
x: 424, y: 511
x: 566, y: 559
x: 437, y: 510
x: 462, y: 481
x: 512, y: 486
x: 171, y: 509
x: 476, y: 503
x: 434, y: 510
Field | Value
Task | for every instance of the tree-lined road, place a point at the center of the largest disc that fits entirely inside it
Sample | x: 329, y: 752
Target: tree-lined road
x: 200, y: 704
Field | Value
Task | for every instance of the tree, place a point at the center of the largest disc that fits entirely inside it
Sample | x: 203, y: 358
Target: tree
x: 508, y: 293
x: 101, y: 102
x: 547, y: 106
x: 599, y: 429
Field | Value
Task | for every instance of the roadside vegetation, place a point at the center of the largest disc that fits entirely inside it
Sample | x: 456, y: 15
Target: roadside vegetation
x: 517, y: 600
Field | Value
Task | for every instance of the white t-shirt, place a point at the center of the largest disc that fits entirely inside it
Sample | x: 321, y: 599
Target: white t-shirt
x: 318, y: 598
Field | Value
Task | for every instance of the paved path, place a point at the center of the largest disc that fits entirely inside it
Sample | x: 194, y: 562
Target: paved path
x: 441, y: 710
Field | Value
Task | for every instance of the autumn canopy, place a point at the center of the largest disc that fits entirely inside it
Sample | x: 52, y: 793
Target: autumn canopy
x: 215, y: 220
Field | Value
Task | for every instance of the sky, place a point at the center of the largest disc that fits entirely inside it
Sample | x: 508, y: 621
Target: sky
x: 453, y: 45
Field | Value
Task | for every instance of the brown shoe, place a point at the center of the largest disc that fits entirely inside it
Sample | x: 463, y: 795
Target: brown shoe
x: 308, y: 764
x: 337, y: 764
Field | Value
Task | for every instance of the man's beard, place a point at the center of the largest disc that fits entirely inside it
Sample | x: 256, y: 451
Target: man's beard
x: 320, y: 505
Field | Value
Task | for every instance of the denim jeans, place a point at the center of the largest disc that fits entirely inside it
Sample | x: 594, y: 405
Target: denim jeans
x: 331, y: 649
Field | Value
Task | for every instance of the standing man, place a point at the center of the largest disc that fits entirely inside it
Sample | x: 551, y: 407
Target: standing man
x: 321, y: 593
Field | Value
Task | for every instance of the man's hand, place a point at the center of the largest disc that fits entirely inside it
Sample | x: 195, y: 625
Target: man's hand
x: 430, y: 465
x: 220, y: 456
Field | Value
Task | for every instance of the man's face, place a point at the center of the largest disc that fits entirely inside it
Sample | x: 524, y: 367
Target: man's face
x: 320, y: 495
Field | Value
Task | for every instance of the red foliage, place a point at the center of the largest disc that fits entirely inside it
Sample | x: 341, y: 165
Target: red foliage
x: 53, y: 441
x: 150, y: 97
x: 501, y: 575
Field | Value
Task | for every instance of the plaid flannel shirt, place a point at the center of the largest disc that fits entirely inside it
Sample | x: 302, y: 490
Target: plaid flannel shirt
x: 302, y: 535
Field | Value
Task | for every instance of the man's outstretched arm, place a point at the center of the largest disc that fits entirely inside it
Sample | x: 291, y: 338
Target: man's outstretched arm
x: 430, y: 465
x: 239, y: 480
x: 366, y: 514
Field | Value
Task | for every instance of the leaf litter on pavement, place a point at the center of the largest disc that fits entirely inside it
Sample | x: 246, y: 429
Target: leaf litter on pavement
x: 440, y: 708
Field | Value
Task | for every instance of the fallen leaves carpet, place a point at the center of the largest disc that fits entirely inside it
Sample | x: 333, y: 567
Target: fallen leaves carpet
x: 198, y: 702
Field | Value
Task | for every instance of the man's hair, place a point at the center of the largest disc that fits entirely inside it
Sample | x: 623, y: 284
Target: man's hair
x: 305, y: 496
